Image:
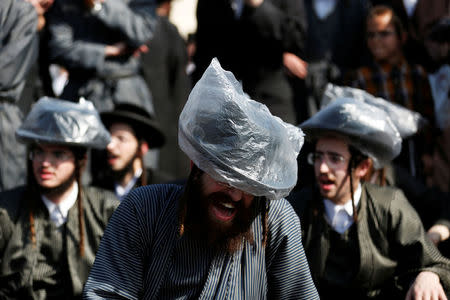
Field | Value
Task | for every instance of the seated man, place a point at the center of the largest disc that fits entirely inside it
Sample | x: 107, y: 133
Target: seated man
x: 133, y: 131
x: 50, y: 229
x: 227, y: 233
x: 363, y: 241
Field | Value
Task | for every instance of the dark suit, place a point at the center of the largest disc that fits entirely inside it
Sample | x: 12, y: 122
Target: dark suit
x: 29, y: 271
x: 388, y: 245
x: 252, y: 47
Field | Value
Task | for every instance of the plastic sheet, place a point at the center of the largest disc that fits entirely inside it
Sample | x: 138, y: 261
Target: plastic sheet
x: 368, y: 127
x: 408, y: 122
x: 62, y: 122
x: 237, y: 140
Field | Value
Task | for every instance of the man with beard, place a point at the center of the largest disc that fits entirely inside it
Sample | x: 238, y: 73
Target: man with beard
x: 133, y: 132
x: 50, y: 229
x: 228, y: 233
x: 363, y: 241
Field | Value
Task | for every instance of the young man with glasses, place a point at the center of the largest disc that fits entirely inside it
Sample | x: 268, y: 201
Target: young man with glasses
x: 391, y: 77
x: 362, y: 241
x: 50, y: 229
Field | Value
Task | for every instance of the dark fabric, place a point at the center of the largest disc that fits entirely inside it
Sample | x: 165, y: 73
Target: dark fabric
x: 392, y: 243
x: 12, y: 153
x: 341, y: 268
x: 106, y: 181
x: 23, y: 271
x: 339, y: 38
x: 164, y: 70
x: 18, y: 53
x: 252, y: 47
x: 334, y: 46
x: 18, y: 46
x: 77, y: 39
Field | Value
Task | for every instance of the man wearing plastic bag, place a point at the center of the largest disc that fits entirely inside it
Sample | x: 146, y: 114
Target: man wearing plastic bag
x: 228, y: 233
x: 363, y: 241
x: 50, y: 229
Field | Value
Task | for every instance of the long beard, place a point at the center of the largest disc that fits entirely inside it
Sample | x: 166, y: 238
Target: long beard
x: 58, y: 190
x: 120, y: 174
x: 198, y: 224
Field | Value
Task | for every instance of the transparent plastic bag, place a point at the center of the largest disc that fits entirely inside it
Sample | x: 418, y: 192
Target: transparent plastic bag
x: 237, y: 140
x: 62, y: 122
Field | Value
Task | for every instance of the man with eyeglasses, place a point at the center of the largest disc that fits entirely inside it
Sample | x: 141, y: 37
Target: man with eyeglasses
x: 228, y: 233
x: 362, y: 241
x: 50, y: 229
x: 390, y: 76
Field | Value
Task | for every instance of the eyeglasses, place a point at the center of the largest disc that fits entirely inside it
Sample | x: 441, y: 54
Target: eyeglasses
x: 333, y: 160
x: 53, y: 156
x: 382, y: 34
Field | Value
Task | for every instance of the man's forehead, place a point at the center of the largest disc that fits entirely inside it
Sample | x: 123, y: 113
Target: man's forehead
x: 51, y: 147
x: 121, y: 127
x: 332, y: 143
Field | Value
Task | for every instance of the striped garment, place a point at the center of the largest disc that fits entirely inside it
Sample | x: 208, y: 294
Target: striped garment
x: 403, y: 84
x: 142, y: 257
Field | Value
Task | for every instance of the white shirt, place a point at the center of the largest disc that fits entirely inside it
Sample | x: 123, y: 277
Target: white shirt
x: 324, y: 8
x: 123, y: 191
x: 340, y: 217
x: 58, y: 212
x: 238, y: 7
x: 410, y: 6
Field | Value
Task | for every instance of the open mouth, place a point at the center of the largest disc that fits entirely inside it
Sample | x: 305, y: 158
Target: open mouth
x: 326, y: 184
x: 223, y: 211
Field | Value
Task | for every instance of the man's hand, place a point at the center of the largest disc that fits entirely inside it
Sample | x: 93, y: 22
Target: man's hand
x: 116, y: 49
x: 90, y: 4
x: 295, y: 65
x: 426, y: 287
x: 438, y: 233
x: 254, y: 3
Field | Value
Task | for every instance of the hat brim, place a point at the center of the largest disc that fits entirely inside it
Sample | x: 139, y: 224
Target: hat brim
x: 149, y: 129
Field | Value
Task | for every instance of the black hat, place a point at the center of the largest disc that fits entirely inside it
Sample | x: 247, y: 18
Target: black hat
x: 144, y: 125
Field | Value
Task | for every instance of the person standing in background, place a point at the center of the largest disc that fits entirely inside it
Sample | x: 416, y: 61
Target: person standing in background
x: 250, y: 37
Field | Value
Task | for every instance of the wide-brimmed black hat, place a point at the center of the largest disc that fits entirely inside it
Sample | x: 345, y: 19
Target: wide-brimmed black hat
x: 144, y: 124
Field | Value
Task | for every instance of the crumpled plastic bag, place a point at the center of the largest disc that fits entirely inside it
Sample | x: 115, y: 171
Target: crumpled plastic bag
x: 237, y: 140
x: 408, y: 122
x: 369, y: 128
x: 62, y: 122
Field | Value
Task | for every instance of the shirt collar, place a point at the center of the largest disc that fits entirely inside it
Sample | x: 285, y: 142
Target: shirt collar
x: 123, y: 191
x: 331, y: 208
x: 65, y: 205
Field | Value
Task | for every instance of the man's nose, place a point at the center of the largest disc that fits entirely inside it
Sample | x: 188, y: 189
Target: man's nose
x: 323, y: 166
x: 111, y: 144
x: 235, y: 194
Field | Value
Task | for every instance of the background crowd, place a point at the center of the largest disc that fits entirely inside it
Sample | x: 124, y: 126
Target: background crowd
x: 130, y: 61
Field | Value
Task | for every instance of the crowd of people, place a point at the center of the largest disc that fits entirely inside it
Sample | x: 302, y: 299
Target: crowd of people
x: 295, y: 149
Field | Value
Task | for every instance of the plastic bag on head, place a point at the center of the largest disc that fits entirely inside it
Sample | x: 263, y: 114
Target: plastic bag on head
x: 368, y: 127
x: 62, y: 122
x: 408, y: 122
x: 237, y: 140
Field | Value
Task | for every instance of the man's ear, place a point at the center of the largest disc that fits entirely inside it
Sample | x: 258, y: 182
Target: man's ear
x: 362, y: 168
x: 143, y: 147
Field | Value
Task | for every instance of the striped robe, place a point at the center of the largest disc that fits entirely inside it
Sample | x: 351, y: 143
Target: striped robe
x: 141, y: 256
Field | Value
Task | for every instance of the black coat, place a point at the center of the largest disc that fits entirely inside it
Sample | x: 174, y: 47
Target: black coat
x: 252, y: 47
x: 392, y: 242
